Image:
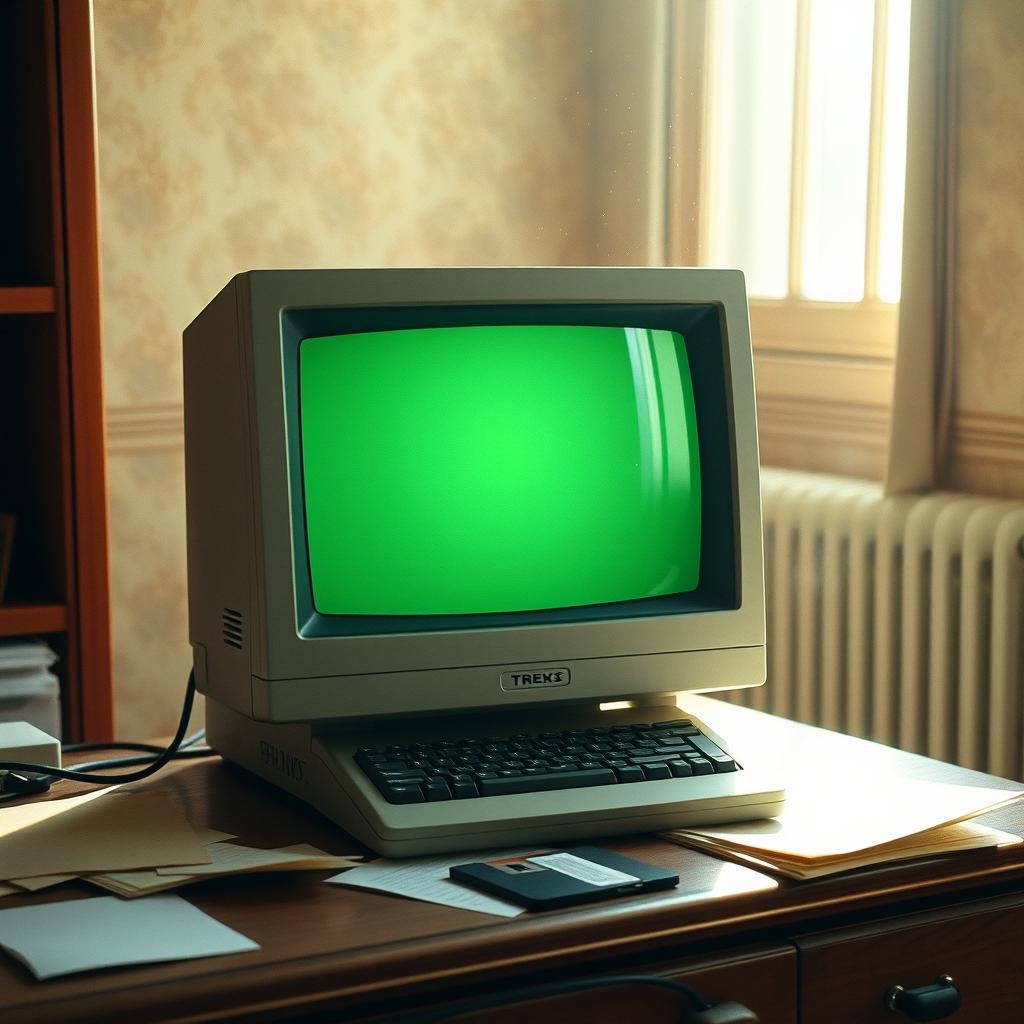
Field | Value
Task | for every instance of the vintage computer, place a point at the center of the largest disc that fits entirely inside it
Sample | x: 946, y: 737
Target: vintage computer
x: 440, y: 519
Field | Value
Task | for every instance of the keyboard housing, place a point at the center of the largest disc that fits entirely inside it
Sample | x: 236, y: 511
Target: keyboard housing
x: 322, y: 769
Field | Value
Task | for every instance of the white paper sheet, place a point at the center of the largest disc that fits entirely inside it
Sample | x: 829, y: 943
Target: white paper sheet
x: 82, y: 935
x: 426, y: 878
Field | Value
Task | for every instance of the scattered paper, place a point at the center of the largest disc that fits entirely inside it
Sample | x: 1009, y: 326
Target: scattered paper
x: 103, y: 831
x: 836, y: 820
x: 230, y: 858
x: 830, y: 825
x: 226, y: 859
x: 964, y: 835
x: 38, y: 882
x: 82, y: 935
x: 426, y: 878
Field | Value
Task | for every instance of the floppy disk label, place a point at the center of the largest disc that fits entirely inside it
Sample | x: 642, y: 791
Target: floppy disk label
x: 582, y: 870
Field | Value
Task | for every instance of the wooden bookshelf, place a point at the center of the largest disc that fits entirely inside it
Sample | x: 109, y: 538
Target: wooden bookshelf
x: 52, y: 450
x: 30, y: 619
x: 28, y: 300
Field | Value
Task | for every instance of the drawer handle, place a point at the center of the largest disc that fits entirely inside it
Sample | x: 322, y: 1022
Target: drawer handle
x: 936, y: 1001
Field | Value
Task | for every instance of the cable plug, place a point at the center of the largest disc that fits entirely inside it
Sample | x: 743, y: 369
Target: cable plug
x: 12, y: 784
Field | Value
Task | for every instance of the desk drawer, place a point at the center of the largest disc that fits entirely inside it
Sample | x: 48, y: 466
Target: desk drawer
x: 762, y: 978
x: 846, y: 974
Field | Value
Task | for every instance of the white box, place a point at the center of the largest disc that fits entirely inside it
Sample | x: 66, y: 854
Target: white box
x: 21, y: 741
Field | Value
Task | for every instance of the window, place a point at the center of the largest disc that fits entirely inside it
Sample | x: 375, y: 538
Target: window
x: 800, y: 110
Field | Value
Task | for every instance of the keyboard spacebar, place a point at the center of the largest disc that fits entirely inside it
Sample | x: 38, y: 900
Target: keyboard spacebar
x: 543, y: 783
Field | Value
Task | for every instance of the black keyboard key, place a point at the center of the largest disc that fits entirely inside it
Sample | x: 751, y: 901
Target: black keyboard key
x: 437, y: 790
x: 535, y: 771
x: 723, y: 763
x: 545, y: 783
x: 680, y: 769
x: 653, y: 758
x: 630, y: 773
x: 701, y: 766
x: 656, y: 771
x: 480, y: 776
x: 702, y: 743
x: 392, y: 766
x: 673, y: 743
x: 403, y: 794
x: 410, y: 775
x: 673, y: 724
x: 462, y: 790
x: 589, y: 765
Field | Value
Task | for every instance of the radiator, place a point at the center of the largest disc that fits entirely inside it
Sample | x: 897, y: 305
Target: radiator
x: 898, y: 619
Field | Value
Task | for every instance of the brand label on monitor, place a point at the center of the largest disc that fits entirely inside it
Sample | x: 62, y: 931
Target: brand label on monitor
x: 529, y: 680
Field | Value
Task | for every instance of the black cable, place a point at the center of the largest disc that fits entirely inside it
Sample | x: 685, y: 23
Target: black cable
x: 150, y: 748
x: 554, y: 989
x: 153, y: 765
x: 127, y: 762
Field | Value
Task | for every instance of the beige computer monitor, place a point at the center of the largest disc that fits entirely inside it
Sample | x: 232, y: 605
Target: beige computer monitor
x: 262, y: 650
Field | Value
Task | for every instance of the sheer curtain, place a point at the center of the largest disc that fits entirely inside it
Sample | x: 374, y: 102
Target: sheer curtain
x: 922, y: 388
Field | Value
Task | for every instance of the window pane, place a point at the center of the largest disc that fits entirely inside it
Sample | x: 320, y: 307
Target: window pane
x: 836, y: 149
x: 751, y: 140
x: 894, y: 151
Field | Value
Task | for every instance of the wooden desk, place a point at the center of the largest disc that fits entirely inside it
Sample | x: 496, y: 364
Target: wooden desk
x: 822, y: 952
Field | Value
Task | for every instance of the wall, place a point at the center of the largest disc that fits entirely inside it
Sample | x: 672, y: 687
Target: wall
x: 987, y: 453
x: 250, y: 134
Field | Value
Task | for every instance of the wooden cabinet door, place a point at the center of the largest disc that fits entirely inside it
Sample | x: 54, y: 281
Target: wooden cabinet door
x: 846, y: 975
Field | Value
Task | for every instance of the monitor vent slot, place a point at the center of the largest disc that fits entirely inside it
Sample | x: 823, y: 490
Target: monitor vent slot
x: 232, y: 628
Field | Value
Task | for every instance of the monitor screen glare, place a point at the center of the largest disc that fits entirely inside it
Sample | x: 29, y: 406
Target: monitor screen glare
x: 472, y: 470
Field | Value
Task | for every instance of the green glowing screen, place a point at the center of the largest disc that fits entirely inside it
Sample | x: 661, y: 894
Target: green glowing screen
x: 463, y: 470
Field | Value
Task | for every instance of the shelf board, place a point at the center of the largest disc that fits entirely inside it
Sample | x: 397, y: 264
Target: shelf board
x: 24, y: 619
x: 42, y: 299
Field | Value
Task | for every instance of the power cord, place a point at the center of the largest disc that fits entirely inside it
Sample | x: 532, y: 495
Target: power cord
x: 13, y: 783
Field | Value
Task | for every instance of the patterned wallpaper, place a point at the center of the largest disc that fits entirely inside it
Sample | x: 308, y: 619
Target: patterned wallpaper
x: 246, y: 133
x: 989, y: 358
x: 257, y: 133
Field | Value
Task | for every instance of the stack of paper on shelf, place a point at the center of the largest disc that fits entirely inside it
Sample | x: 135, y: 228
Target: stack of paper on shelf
x: 830, y: 826
x: 131, y: 844
x: 29, y: 691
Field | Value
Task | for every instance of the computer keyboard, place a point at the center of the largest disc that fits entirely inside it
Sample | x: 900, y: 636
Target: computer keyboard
x: 459, y: 769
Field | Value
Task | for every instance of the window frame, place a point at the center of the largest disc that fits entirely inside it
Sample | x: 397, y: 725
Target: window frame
x: 824, y: 370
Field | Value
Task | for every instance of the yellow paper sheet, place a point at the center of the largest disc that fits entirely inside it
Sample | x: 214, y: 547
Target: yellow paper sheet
x: 965, y: 835
x: 38, y: 882
x: 34, y: 884
x: 102, y: 831
x: 227, y: 859
x: 831, y: 822
x: 230, y: 858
